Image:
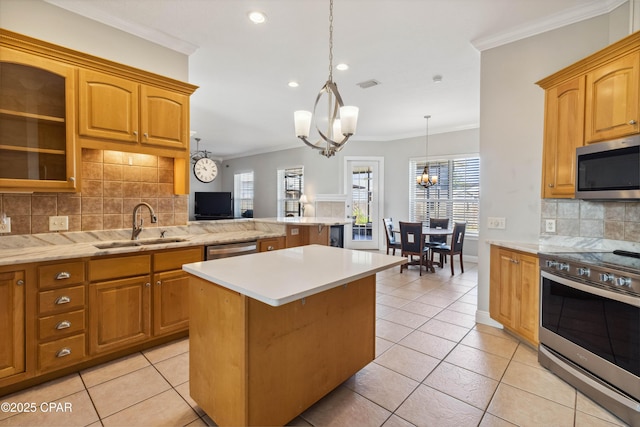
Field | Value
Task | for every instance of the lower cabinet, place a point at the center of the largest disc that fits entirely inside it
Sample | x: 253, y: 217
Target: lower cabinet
x: 12, y: 323
x: 271, y: 244
x: 119, y: 313
x: 515, y: 291
x: 55, y: 316
x: 171, y: 289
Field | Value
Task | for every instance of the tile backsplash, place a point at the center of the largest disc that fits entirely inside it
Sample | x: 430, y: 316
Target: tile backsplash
x: 113, y: 182
x: 608, y: 220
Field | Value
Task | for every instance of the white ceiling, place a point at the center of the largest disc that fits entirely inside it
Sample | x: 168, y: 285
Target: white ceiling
x: 244, y: 105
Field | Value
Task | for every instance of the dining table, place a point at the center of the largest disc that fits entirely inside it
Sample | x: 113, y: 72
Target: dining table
x: 426, y: 232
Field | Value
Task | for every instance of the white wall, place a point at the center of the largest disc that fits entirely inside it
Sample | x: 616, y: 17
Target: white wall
x: 325, y: 176
x: 511, y: 130
x: 40, y: 20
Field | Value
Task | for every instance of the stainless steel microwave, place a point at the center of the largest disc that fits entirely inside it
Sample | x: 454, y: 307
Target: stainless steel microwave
x: 609, y: 170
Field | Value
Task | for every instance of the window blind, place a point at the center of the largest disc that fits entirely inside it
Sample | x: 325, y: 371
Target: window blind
x: 243, y: 191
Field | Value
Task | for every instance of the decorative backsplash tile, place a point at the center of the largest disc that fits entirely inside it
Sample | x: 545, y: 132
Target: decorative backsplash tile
x: 594, y: 219
x: 113, y: 183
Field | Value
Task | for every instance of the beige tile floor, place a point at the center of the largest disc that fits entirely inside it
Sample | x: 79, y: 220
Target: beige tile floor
x: 434, y: 366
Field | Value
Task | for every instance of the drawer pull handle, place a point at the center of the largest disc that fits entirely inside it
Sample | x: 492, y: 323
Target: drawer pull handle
x: 63, y: 300
x: 63, y: 352
x: 270, y: 248
x: 63, y: 275
x: 63, y: 325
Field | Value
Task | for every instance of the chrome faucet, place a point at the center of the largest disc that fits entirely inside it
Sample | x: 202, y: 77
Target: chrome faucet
x: 137, y: 229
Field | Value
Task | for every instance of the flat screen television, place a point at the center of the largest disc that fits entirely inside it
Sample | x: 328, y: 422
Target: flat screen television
x: 214, y: 204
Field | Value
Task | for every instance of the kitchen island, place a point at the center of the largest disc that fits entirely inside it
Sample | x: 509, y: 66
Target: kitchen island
x: 272, y: 333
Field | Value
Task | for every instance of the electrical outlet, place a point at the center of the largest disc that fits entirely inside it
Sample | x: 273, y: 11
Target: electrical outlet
x: 58, y: 223
x: 5, y: 225
x: 295, y: 231
x: 550, y: 225
x: 497, y: 223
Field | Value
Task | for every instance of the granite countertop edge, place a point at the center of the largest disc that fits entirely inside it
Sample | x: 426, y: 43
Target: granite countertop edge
x: 23, y: 249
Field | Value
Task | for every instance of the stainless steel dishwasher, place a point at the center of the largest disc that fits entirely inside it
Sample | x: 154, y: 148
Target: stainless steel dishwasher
x: 230, y: 249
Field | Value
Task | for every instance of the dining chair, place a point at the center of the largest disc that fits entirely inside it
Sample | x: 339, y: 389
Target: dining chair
x: 455, y: 248
x: 412, y: 245
x: 392, y: 243
x: 435, y: 241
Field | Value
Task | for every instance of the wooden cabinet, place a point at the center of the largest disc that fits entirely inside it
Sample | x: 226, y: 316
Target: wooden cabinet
x: 119, y: 302
x: 265, y: 245
x: 595, y: 99
x: 171, y: 289
x: 515, y: 291
x: 12, y: 322
x: 61, y: 325
x: 564, y: 132
x: 37, y: 119
x: 613, y: 99
x: 119, y: 109
x: 312, y: 234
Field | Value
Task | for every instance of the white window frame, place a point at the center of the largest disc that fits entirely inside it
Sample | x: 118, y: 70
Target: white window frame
x: 445, y: 199
x: 288, y: 201
x: 243, y: 192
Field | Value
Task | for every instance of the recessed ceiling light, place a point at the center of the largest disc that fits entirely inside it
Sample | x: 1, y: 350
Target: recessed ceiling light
x: 257, y: 17
x: 293, y: 84
x: 437, y: 78
x: 342, y: 67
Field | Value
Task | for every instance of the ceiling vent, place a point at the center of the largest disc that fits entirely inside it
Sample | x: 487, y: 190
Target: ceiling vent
x: 368, y: 83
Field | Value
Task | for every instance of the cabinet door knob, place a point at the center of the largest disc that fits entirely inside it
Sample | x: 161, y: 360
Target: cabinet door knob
x: 270, y: 248
x: 63, y: 352
x: 632, y: 122
x: 72, y: 178
x: 550, y: 185
x: 63, y: 275
x: 63, y: 300
x: 159, y: 282
x: 135, y: 132
x: 63, y: 325
x: 146, y: 135
x: 20, y: 282
x: 147, y: 284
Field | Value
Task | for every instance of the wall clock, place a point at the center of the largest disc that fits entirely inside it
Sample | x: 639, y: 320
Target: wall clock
x: 205, y: 169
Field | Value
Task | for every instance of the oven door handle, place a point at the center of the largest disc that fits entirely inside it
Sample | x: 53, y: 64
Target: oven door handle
x: 592, y: 289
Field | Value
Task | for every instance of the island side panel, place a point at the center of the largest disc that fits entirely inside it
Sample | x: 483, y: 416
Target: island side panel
x: 217, y: 351
x: 301, y: 351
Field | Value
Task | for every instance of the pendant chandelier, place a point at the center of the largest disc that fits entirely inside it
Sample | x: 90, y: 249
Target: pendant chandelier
x: 342, y: 119
x: 425, y: 180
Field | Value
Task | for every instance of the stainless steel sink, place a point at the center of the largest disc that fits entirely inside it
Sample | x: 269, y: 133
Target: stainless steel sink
x: 133, y: 243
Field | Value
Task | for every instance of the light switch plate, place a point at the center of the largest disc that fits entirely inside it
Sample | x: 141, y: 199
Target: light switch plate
x: 5, y: 225
x: 497, y: 223
x: 58, y: 223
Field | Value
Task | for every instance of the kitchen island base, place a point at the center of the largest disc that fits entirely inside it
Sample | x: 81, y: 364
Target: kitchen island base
x: 256, y: 364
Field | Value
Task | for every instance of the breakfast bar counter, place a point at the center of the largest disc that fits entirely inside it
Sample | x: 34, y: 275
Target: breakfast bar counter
x: 271, y: 333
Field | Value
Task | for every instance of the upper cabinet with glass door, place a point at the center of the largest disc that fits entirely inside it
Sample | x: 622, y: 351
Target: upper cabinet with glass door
x: 37, y: 150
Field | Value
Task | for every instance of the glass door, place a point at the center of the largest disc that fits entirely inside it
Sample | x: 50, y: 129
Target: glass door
x: 363, y: 186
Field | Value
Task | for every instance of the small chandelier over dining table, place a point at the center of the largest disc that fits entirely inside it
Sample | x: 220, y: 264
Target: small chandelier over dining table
x: 342, y: 119
x: 424, y: 179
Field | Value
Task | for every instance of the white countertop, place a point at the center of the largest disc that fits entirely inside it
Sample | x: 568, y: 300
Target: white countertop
x: 306, y: 220
x: 537, y: 247
x: 279, y: 277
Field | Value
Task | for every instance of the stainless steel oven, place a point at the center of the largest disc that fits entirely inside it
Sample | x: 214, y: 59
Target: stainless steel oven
x: 590, y: 326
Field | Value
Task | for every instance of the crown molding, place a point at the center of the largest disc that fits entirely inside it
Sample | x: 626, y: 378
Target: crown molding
x: 86, y: 9
x: 570, y: 16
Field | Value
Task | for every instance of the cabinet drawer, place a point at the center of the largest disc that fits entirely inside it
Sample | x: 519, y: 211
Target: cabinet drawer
x: 114, y: 268
x: 174, y: 260
x: 60, y: 353
x: 59, y: 300
x: 61, y: 324
x: 58, y: 275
